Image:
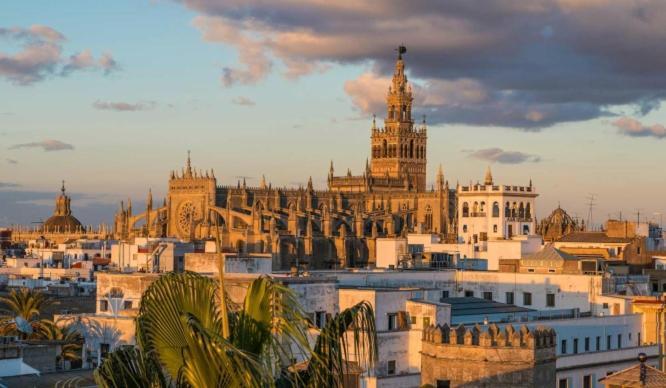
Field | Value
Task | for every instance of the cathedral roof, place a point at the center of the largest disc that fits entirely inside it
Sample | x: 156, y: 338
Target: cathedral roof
x: 557, y: 225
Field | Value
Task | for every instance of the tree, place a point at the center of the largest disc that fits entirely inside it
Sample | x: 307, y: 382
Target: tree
x: 20, y: 316
x: 188, y: 330
x: 71, y: 339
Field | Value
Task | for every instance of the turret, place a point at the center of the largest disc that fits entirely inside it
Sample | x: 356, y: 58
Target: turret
x: 488, y: 181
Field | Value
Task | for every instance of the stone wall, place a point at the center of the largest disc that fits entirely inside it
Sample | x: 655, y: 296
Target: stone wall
x: 477, y: 357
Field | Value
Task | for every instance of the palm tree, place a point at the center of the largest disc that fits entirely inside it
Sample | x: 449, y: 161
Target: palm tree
x: 20, y: 315
x: 190, y: 334
x: 71, y: 339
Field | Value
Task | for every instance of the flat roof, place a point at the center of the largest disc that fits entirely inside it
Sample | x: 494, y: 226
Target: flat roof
x: 477, y: 306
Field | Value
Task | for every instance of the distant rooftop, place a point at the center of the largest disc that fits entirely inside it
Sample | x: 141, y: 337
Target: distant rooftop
x: 592, y: 237
x: 461, y: 306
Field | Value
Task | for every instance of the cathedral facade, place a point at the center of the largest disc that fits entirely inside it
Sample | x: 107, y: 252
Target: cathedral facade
x: 332, y: 228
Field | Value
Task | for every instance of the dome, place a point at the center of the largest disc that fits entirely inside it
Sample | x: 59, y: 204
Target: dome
x: 62, y: 223
x: 62, y: 219
x: 556, y: 225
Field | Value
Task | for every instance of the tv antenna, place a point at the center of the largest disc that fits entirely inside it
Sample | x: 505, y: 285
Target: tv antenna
x: 590, y: 206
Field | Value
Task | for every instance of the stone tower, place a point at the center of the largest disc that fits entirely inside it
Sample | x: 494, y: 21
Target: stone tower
x: 399, y: 148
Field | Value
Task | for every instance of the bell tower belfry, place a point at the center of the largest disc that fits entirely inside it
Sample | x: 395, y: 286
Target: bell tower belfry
x: 399, y: 148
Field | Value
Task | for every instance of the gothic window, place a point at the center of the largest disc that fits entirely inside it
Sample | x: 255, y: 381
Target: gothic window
x: 401, y: 151
x: 392, y: 112
x: 465, y: 210
x: 496, y: 209
x: 404, y: 112
x: 528, y: 211
x: 411, y: 148
x: 428, y: 217
x: 384, y: 150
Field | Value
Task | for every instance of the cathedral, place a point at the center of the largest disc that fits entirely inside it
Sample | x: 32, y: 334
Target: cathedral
x: 332, y: 228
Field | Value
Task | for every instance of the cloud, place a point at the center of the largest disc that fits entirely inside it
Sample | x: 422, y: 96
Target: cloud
x: 11, y: 161
x: 46, y: 145
x: 124, y: 106
x: 41, y: 56
x: 504, y: 157
x: 528, y: 64
x: 7, y: 185
x: 244, y: 101
x: 631, y: 127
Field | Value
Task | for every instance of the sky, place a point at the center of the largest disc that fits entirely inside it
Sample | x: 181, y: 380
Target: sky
x: 110, y: 96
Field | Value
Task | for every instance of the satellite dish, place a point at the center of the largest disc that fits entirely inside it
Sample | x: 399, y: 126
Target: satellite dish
x: 22, y: 325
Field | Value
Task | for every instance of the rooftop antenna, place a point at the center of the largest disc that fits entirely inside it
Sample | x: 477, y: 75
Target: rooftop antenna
x: 590, y: 206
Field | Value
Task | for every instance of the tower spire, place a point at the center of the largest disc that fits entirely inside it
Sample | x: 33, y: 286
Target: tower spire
x: 488, y: 181
x: 188, y: 168
x: 62, y: 188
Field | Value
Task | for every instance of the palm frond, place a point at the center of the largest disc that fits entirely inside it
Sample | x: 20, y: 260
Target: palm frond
x: 353, y: 330
x: 132, y: 368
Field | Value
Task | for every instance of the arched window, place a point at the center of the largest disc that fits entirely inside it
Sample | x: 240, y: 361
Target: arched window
x: 514, y: 210
x: 521, y: 211
x: 475, y: 208
x: 428, y: 217
x: 482, y: 206
x: 401, y: 150
x: 384, y: 150
x: 465, y: 210
x: 411, y: 148
x: 404, y: 112
x: 528, y: 211
x: 507, y: 210
x: 496, y: 209
x: 392, y: 112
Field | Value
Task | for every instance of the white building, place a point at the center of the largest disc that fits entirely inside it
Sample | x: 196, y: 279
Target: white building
x: 150, y: 254
x: 488, y: 211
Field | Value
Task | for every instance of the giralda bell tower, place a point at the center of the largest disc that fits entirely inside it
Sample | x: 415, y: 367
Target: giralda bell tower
x: 399, y: 149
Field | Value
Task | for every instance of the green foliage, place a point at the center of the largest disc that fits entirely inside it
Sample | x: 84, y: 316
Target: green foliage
x: 189, y: 331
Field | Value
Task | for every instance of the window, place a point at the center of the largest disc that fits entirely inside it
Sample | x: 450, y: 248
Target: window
x: 509, y: 297
x: 619, y: 341
x: 443, y: 383
x: 445, y: 294
x: 587, y: 344
x: 412, y: 319
x: 390, y: 370
x: 127, y: 305
x: 587, y: 381
x: 469, y: 293
x: 496, y: 211
x: 392, y: 322
x: 103, y: 305
x: 608, y: 342
x: 563, y: 383
x: 104, y: 350
x: 550, y: 300
x: 639, y: 338
x: 487, y: 295
x: 530, y: 270
x: 494, y: 228
x: 527, y: 298
x: 575, y: 346
x: 465, y: 210
x: 426, y: 322
x: 598, y: 343
x: 563, y: 347
x: 320, y: 319
x: 605, y: 305
x: 464, y: 228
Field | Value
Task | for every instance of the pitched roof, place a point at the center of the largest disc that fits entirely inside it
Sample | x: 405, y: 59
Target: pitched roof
x: 550, y: 253
x: 592, y: 237
x: 630, y: 377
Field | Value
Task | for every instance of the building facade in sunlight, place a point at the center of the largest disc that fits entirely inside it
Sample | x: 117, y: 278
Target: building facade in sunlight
x: 335, y: 227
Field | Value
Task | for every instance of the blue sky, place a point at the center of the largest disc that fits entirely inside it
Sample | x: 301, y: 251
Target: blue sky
x: 170, y: 59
